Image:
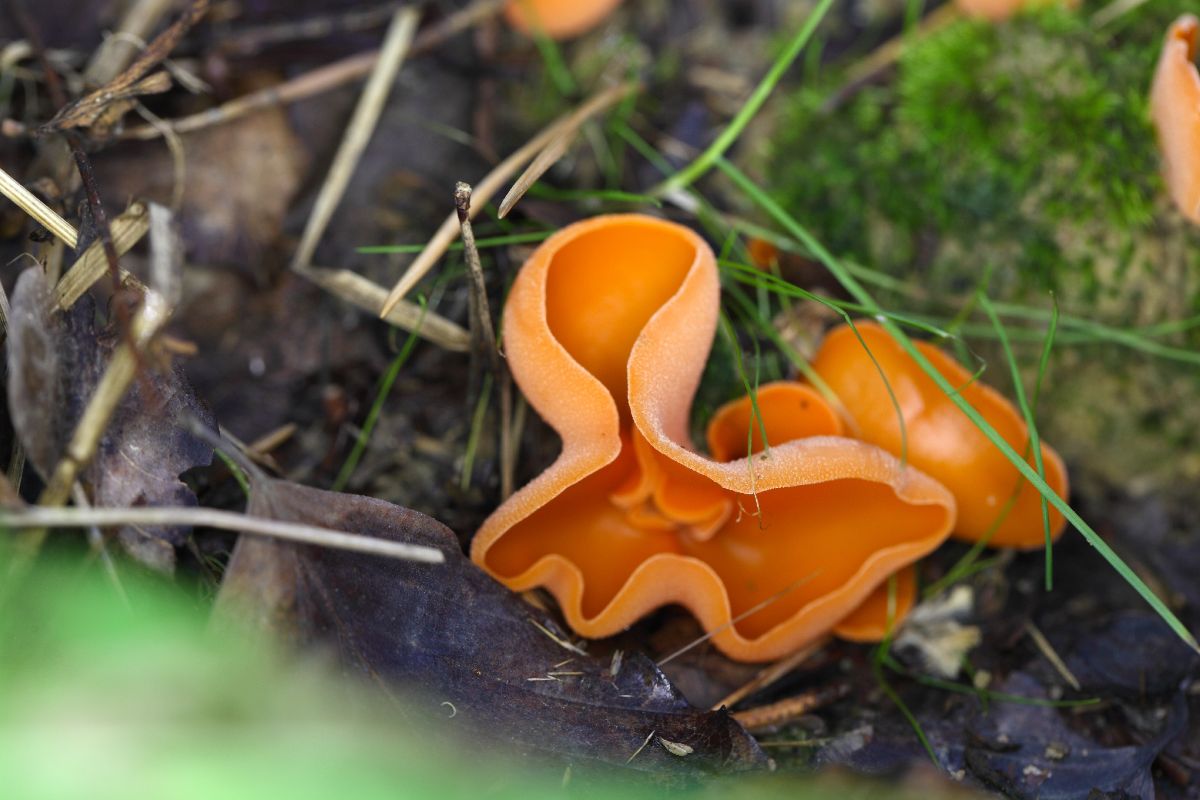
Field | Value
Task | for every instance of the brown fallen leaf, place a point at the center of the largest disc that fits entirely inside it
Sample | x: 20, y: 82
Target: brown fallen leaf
x: 55, y: 359
x: 100, y: 111
x: 463, y: 649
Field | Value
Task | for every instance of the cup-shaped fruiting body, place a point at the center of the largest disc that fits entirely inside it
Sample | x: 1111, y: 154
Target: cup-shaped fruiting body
x: 999, y: 10
x: 994, y: 501
x: 607, y: 329
x: 558, y: 19
x: 1175, y: 109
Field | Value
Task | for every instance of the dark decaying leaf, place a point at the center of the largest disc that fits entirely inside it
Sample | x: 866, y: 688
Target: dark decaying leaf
x: 54, y: 362
x: 1041, y: 756
x: 464, y: 649
x: 1132, y: 654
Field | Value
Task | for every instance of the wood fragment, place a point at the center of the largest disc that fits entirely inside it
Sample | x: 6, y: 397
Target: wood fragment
x: 791, y: 708
x: 770, y: 675
x: 486, y: 189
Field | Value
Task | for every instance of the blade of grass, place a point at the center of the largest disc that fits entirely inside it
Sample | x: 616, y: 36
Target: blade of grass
x: 733, y: 130
x: 857, y: 291
x: 385, y: 389
x: 1030, y: 423
x: 482, y: 244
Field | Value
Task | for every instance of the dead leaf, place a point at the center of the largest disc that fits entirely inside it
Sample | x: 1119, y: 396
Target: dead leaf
x: 55, y: 360
x: 451, y: 634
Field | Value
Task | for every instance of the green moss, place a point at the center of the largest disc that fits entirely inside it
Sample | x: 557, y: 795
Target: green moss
x: 1018, y: 145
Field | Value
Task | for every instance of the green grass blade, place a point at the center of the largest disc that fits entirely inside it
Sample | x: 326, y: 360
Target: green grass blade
x: 708, y: 159
x: 1030, y: 423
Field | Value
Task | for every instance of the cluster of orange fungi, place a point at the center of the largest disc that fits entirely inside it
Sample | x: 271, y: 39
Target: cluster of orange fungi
x: 607, y: 330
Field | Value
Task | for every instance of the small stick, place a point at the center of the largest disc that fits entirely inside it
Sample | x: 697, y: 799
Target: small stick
x: 358, y: 132
x: 47, y: 217
x: 486, y: 189
x: 1047, y: 650
x: 322, y: 79
x: 42, y: 517
x: 788, y: 709
x: 118, y: 50
x: 483, y: 333
x: 770, y: 675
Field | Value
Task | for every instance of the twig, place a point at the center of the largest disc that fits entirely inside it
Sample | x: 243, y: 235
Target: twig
x: 322, y: 79
x: 46, y: 216
x: 42, y: 517
x: 486, y: 189
x: 127, y: 230
x: 769, y: 675
x: 358, y: 132
x: 483, y: 334
x: 118, y: 51
x: 788, y: 709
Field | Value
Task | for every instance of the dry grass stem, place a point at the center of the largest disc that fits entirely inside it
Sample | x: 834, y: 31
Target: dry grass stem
x: 770, y: 675
x: 369, y: 296
x: 1046, y: 649
x: 487, y: 188
x: 41, y: 517
x: 320, y: 80
x: 127, y: 230
x: 47, y: 217
x: 550, y: 154
x: 119, y: 49
x: 358, y: 132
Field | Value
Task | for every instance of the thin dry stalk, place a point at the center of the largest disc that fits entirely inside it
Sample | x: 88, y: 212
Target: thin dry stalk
x: 788, y: 709
x: 545, y: 160
x: 127, y: 230
x: 119, y: 49
x: 483, y: 333
x: 770, y: 675
x: 322, y: 79
x: 487, y: 188
x: 369, y: 296
x: 47, y: 217
x: 362, y: 124
x: 41, y: 517
x: 1046, y: 649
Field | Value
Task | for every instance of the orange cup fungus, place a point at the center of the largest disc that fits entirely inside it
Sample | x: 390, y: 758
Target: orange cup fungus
x: 1175, y: 109
x: 1000, y: 10
x: 607, y: 329
x: 558, y: 19
x: 994, y: 501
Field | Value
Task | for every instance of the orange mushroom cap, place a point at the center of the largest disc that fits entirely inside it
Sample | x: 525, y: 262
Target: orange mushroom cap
x: 558, y: 19
x: 942, y: 441
x: 607, y: 328
x: 1175, y: 109
x: 1000, y: 10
